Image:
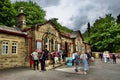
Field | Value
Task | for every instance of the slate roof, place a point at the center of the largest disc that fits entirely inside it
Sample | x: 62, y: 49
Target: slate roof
x: 67, y: 35
x: 11, y: 30
x: 75, y: 33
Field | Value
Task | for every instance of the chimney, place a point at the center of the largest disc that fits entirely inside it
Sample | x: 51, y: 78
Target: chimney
x: 21, y: 19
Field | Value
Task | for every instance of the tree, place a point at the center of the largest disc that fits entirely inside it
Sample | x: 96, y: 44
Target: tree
x: 105, y: 35
x: 118, y: 19
x: 35, y: 14
x: 88, y: 29
x: 7, y: 13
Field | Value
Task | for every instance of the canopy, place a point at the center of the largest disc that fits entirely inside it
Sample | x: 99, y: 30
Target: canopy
x: 38, y: 50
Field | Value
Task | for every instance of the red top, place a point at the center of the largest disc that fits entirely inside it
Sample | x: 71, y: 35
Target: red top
x: 55, y: 54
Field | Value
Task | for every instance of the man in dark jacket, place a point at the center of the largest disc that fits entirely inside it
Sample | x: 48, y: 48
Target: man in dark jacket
x: 46, y: 53
x: 114, y: 58
x: 64, y: 55
x: 42, y: 58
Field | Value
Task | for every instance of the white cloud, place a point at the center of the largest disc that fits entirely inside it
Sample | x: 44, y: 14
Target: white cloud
x: 75, y: 14
x: 62, y: 12
x: 75, y: 9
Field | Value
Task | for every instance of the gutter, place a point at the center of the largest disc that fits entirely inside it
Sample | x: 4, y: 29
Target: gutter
x: 13, y: 33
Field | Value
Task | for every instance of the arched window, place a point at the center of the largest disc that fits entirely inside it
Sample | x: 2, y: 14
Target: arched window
x: 45, y: 42
x: 48, y: 41
x: 52, y: 44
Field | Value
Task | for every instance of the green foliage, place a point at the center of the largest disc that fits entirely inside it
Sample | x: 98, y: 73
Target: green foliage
x: 35, y: 14
x: 7, y: 13
x: 118, y: 19
x: 88, y: 29
x: 105, y: 35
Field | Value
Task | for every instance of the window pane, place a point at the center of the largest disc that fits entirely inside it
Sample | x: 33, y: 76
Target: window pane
x: 5, y: 47
x: 14, y: 47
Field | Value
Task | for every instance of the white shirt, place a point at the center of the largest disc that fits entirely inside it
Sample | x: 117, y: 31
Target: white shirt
x: 83, y: 56
x: 35, y: 55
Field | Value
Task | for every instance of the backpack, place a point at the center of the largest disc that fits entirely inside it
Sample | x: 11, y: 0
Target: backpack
x: 76, y: 59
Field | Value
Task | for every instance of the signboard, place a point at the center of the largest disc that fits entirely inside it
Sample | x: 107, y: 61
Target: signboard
x: 58, y: 47
x: 39, y: 45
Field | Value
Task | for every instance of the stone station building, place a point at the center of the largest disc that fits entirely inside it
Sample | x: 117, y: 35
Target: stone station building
x: 17, y: 43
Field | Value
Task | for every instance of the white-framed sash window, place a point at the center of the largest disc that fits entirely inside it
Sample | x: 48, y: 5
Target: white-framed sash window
x: 5, y: 47
x: 14, y: 47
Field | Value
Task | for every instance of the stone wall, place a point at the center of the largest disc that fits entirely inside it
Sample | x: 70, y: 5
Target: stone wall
x: 69, y: 45
x: 78, y: 43
x: 18, y: 59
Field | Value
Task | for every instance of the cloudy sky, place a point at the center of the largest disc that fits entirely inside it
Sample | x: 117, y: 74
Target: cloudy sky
x: 75, y: 14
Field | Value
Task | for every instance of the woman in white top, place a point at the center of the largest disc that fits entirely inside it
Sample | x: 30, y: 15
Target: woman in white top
x: 35, y: 59
x: 84, y: 58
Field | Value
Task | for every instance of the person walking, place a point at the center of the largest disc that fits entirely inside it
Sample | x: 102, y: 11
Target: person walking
x: 88, y: 56
x: 101, y: 56
x: 76, y: 59
x: 84, y: 58
x: 35, y: 59
x: 107, y: 56
x: 114, y: 58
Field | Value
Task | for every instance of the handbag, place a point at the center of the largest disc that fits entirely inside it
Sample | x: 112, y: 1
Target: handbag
x: 92, y: 59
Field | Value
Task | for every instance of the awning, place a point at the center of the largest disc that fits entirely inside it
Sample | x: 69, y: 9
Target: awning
x: 38, y: 50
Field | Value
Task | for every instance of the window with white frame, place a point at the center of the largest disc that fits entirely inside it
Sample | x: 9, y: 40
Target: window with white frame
x: 5, y: 47
x: 14, y: 47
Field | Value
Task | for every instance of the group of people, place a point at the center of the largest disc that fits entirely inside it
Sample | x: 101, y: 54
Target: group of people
x: 58, y: 56
x: 105, y: 56
x: 81, y: 57
x: 41, y: 57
